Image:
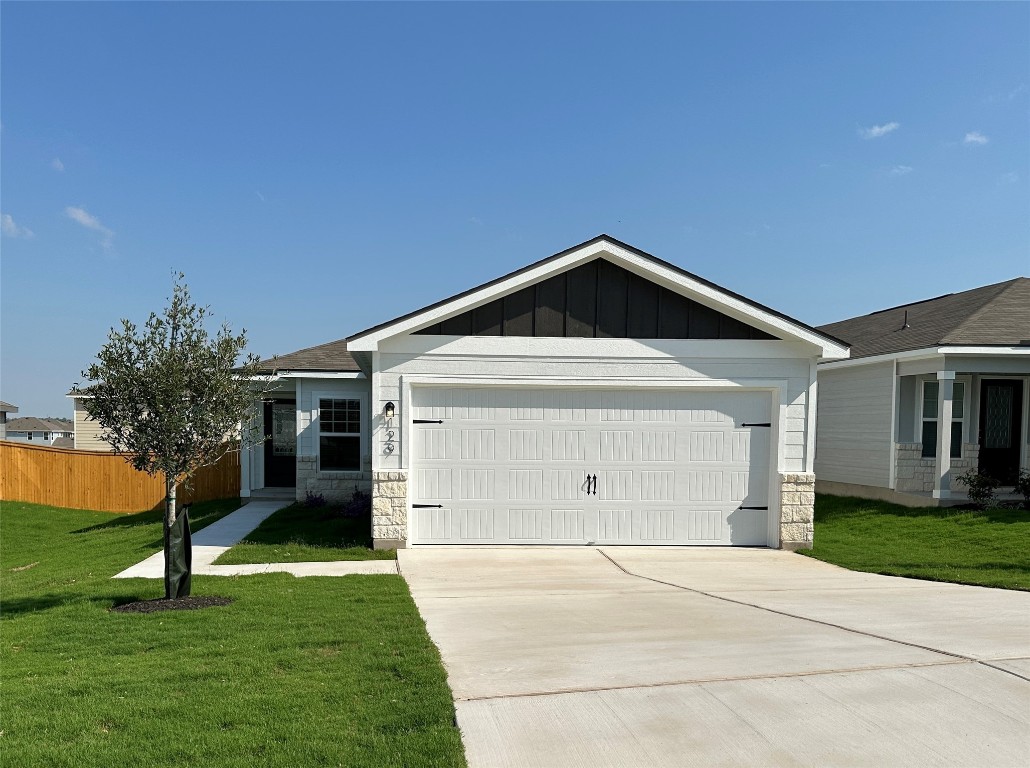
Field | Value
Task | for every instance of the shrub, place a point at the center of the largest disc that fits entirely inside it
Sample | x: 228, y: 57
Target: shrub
x: 314, y: 500
x: 360, y: 505
x: 980, y: 488
x: 1023, y: 486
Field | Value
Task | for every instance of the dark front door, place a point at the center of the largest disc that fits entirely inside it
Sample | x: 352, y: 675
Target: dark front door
x: 280, y: 444
x: 1001, y: 411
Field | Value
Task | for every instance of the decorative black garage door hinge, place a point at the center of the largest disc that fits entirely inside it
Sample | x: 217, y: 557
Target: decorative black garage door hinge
x: 756, y: 424
x: 765, y: 508
x: 427, y: 506
x: 427, y: 421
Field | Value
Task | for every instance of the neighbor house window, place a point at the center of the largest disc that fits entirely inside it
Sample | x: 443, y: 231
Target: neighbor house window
x: 931, y: 390
x: 339, y: 435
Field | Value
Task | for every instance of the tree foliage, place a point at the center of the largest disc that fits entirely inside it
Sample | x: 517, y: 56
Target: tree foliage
x: 170, y: 396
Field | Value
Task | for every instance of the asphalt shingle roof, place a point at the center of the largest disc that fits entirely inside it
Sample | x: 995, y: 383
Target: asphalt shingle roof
x: 332, y: 356
x: 993, y: 315
x: 34, y: 424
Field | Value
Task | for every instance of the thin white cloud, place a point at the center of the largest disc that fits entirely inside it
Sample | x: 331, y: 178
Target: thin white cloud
x: 89, y: 221
x: 1010, y: 178
x: 901, y: 170
x: 876, y: 131
x: 975, y: 137
x: 57, y: 165
x: 11, y: 228
x: 260, y: 196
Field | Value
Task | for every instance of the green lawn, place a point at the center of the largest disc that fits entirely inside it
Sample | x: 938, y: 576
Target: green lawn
x: 301, y: 534
x: 984, y: 548
x: 295, y: 672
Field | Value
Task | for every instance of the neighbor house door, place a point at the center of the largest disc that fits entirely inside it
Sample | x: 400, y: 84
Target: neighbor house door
x: 1001, y: 412
x: 281, y: 444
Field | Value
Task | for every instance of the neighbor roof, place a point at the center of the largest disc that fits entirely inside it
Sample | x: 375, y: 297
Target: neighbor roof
x: 325, y: 357
x: 34, y: 424
x: 995, y: 315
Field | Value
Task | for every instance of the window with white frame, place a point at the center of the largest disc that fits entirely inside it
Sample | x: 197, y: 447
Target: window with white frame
x: 931, y: 391
x: 339, y: 434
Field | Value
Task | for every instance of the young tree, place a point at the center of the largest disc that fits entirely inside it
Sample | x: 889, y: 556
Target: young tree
x: 172, y: 399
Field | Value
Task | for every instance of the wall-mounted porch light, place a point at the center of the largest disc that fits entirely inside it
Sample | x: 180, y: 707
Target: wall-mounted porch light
x: 389, y: 411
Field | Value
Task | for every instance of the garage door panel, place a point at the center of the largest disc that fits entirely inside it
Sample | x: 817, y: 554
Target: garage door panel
x: 568, y: 484
x: 512, y: 466
x: 525, y: 445
x: 476, y: 445
x: 568, y: 444
x: 658, y: 445
x: 616, y: 445
x: 615, y: 485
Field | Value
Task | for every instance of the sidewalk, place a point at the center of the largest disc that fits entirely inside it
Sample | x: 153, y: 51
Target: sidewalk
x: 210, y: 542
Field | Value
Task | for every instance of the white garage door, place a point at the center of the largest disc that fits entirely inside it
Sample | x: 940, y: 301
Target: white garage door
x: 568, y: 466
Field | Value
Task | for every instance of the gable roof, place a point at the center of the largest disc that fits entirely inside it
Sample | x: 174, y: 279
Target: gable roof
x: 34, y: 424
x: 625, y: 255
x: 330, y: 357
x: 992, y: 315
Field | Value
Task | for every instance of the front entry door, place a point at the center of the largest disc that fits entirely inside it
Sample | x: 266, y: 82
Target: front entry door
x: 280, y: 444
x: 1001, y: 412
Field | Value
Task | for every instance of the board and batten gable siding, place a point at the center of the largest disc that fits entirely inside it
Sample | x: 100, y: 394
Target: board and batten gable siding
x: 853, y: 427
x: 87, y: 431
x: 591, y: 361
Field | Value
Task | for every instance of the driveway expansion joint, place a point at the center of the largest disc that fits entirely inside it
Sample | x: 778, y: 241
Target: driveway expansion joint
x: 785, y: 613
x: 707, y: 680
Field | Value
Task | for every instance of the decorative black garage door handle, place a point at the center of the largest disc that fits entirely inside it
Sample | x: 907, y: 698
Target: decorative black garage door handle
x: 427, y: 506
x: 594, y: 478
x: 427, y: 421
x: 765, y: 508
x: 757, y: 424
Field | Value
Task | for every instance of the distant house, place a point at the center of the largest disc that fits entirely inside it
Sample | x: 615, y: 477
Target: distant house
x: 29, y: 429
x: 961, y: 361
x: 87, y: 432
x: 5, y: 408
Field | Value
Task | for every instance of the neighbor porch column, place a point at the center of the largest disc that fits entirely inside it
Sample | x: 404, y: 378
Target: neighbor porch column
x: 942, y: 475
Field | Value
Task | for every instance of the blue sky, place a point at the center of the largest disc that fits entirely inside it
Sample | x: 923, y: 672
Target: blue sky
x: 318, y: 168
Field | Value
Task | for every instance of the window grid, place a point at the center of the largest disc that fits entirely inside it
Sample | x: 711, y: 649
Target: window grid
x: 931, y: 390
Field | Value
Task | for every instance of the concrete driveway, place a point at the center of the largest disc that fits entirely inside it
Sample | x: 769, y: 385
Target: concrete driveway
x: 628, y: 657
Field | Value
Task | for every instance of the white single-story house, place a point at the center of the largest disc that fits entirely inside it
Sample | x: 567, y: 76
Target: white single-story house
x: 30, y: 429
x: 599, y: 396
x: 962, y: 360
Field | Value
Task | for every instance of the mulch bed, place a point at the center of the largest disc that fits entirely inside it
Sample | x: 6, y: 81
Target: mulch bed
x: 191, y: 603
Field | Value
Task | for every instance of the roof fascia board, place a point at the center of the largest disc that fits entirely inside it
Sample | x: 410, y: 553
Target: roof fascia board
x: 302, y: 374
x: 641, y: 264
x: 924, y: 353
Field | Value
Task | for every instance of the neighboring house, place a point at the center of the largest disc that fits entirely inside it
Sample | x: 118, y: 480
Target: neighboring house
x: 961, y: 360
x: 600, y: 396
x: 29, y: 429
x: 5, y: 408
x: 87, y: 431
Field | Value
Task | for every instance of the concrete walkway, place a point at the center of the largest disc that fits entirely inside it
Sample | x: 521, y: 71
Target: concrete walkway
x: 704, y: 657
x: 210, y: 542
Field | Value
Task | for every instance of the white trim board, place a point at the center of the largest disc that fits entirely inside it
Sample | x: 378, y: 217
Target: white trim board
x: 651, y: 269
x: 927, y: 353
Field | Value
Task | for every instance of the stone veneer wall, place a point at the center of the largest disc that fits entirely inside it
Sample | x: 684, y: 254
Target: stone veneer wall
x: 915, y: 474
x: 797, y: 511
x: 389, y: 509
x: 333, y: 486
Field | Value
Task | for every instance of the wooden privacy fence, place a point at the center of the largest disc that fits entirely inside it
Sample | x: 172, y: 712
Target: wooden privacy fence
x: 105, y: 482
